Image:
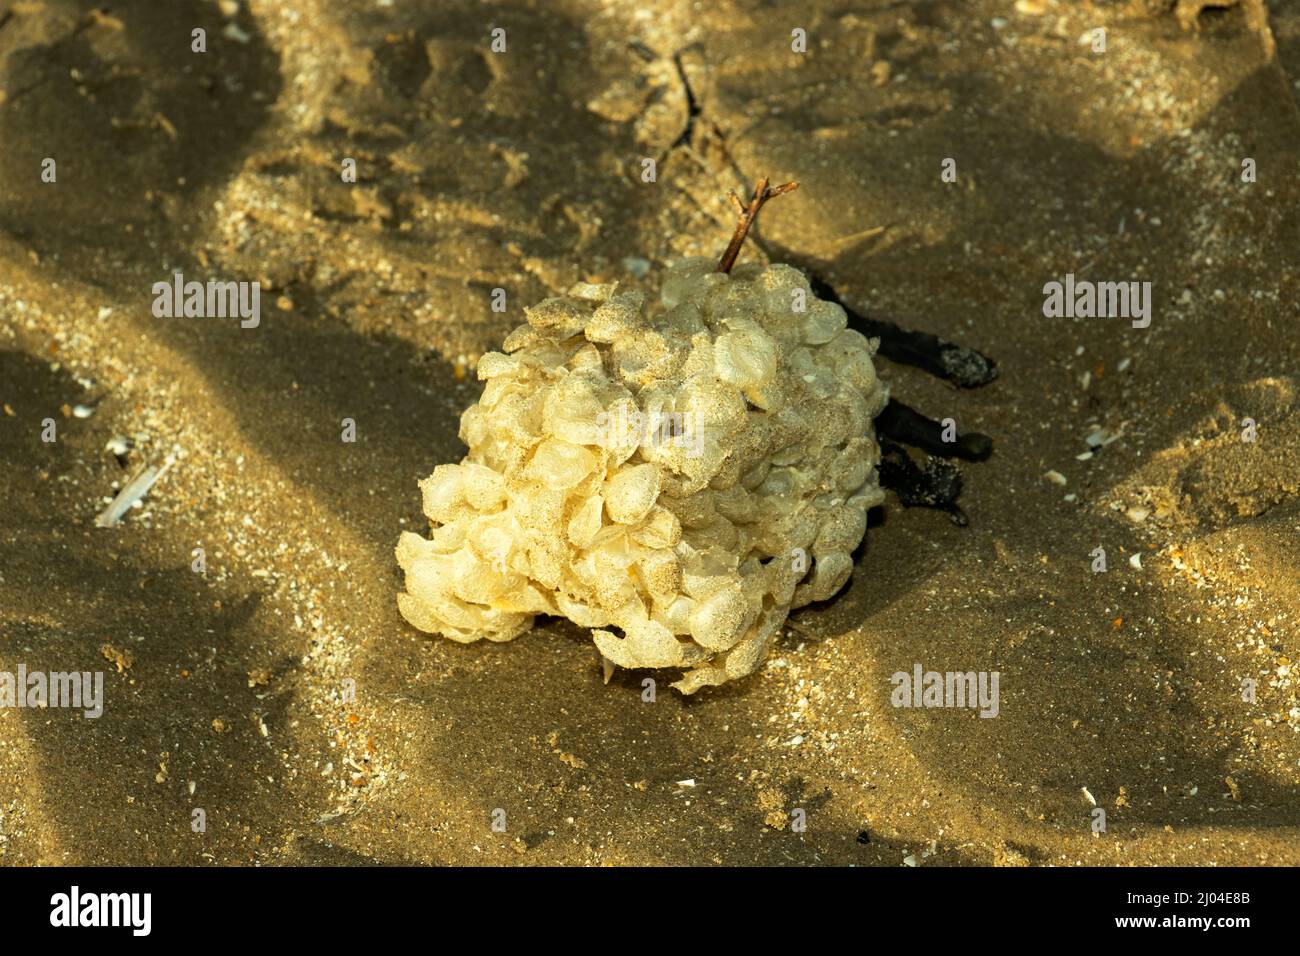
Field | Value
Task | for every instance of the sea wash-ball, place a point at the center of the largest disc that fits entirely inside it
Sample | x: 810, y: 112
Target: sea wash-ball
x: 676, y: 479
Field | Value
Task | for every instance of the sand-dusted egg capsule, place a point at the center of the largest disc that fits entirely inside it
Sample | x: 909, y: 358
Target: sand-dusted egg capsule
x: 675, y: 478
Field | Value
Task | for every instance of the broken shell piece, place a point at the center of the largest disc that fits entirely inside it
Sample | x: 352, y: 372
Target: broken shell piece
x: 119, y: 445
x: 132, y: 492
x: 677, y: 479
x: 1100, y: 437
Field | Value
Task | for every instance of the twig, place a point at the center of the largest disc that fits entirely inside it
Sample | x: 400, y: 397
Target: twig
x: 762, y: 193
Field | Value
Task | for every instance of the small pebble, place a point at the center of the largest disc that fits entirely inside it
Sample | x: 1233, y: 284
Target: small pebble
x: 636, y: 266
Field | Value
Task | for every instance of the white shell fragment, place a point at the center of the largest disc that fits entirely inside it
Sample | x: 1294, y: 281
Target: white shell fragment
x: 676, y: 479
x: 133, y: 491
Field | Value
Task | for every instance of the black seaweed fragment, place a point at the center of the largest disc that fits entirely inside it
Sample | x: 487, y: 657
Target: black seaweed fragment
x: 937, y: 482
x: 963, y: 366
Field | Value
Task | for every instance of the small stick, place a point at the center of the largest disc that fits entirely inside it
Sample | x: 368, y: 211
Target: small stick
x: 762, y: 193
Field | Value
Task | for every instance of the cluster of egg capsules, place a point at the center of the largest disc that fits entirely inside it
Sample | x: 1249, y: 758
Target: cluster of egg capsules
x: 685, y: 476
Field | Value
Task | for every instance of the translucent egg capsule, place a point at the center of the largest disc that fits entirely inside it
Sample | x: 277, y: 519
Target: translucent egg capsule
x: 677, y: 479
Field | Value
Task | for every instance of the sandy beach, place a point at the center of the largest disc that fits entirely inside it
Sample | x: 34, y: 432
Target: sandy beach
x: 244, y: 615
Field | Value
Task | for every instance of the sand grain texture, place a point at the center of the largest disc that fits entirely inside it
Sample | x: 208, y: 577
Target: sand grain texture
x: 521, y: 171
